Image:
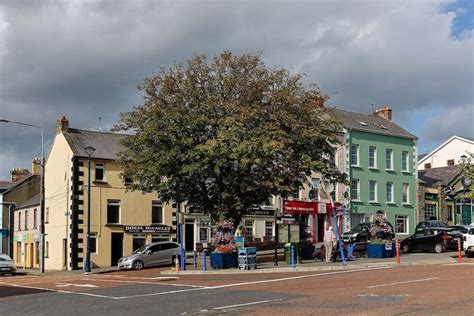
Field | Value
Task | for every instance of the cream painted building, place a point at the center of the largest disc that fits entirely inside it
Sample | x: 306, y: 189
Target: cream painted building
x: 448, y: 153
x: 26, y: 222
x: 121, y: 220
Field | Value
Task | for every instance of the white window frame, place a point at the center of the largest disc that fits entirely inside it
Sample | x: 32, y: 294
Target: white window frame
x: 374, y: 162
x: 405, y: 161
x: 207, y: 234
x: 406, y: 219
x: 391, y: 159
x: 374, y: 200
x: 246, y: 227
x: 407, y: 186
x: 267, y: 228
x: 357, y: 189
x: 156, y: 204
x: 99, y: 165
x: 389, y: 191
x: 356, y: 152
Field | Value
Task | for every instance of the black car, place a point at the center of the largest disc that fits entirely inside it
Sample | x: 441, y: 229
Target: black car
x: 427, y: 239
x: 360, y: 233
x: 431, y: 224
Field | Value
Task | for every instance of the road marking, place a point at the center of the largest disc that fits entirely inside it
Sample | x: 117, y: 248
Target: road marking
x: 170, y: 278
x: 459, y: 264
x: 77, y: 285
x: 246, y: 304
x: 404, y: 282
x: 144, y: 282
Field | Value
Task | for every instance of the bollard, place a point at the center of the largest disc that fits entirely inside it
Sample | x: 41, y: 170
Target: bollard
x: 292, y: 257
x: 177, y: 264
x: 459, y: 251
x: 204, y: 263
x: 195, y: 264
x: 397, y: 249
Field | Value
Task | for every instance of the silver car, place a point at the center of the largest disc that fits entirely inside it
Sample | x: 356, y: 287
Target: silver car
x: 159, y: 253
x: 7, y: 265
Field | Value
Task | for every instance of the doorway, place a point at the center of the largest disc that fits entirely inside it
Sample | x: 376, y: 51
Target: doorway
x: 32, y: 253
x: 117, y: 248
x: 189, y: 236
x: 321, y: 221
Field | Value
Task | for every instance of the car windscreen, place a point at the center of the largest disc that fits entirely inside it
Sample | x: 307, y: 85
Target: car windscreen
x: 141, y: 249
x: 5, y: 258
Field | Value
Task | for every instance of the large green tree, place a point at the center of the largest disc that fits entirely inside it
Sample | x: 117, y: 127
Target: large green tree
x: 226, y: 135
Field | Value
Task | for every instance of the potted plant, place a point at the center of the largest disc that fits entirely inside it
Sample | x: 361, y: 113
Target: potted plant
x: 380, y: 244
x: 225, y: 250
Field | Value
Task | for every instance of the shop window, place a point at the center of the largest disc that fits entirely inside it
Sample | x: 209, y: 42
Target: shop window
x: 113, y: 211
x: 354, y: 155
x: 99, y: 172
x: 405, y: 196
x: 401, y: 224
x: 372, y: 157
x: 203, y: 233
x: 389, y: 159
x: 372, y: 191
x: 355, y: 190
x: 158, y: 238
x: 404, y: 160
x: 389, y: 190
x: 93, y: 240
x: 248, y: 229
x: 138, y: 241
x: 156, y: 213
x: 269, y: 229
x: 430, y: 211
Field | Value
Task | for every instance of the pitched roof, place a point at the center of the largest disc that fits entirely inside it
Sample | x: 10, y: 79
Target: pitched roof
x: 5, y: 185
x: 35, y: 200
x: 370, y: 123
x: 438, y: 176
x: 22, y: 180
x: 106, y: 144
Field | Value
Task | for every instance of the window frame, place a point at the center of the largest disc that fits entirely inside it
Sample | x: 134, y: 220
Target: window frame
x: 247, y: 227
x: 407, y: 186
x: 267, y: 228
x: 354, y: 150
x: 432, y: 211
x: 93, y: 236
x: 405, y: 219
x: 357, y: 189
x: 35, y: 218
x: 157, y: 204
x: 389, y: 158
x: 405, y: 161
x: 200, y: 229
x: 387, y: 191
x: 114, y: 203
x: 374, y: 200
x: 138, y: 236
x: 374, y: 157
x: 101, y: 166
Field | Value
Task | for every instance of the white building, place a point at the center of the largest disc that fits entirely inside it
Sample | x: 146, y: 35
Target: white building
x: 447, y: 154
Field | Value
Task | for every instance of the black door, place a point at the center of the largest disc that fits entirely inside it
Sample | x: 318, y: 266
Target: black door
x: 117, y: 248
x: 189, y: 237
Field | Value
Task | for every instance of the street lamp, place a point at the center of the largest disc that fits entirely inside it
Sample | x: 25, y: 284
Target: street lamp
x: 41, y: 263
x: 90, y: 151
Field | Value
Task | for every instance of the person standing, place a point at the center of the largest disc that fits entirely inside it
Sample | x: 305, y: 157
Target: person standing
x: 329, y: 239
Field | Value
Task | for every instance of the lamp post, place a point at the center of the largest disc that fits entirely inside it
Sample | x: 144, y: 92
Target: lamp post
x: 466, y: 183
x: 42, y: 199
x: 90, y: 151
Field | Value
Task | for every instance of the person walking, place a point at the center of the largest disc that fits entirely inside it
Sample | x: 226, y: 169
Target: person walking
x: 329, y: 239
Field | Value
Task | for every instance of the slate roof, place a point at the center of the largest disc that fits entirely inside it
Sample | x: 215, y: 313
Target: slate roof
x: 106, y: 144
x: 438, y: 176
x: 5, y: 185
x: 35, y: 200
x: 370, y: 123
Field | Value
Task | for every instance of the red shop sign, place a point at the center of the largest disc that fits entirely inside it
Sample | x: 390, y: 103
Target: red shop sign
x: 299, y: 207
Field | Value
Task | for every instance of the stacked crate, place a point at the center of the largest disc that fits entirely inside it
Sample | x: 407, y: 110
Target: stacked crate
x: 248, y: 258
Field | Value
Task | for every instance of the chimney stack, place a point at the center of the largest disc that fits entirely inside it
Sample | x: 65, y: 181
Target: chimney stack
x: 17, y: 174
x: 62, y: 125
x: 385, y: 112
x: 36, y: 166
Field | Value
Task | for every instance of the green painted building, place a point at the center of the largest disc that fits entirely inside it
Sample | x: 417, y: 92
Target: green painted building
x: 379, y: 158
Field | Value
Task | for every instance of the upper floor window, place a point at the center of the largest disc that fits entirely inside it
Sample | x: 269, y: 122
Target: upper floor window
x: 113, y: 211
x: 450, y: 162
x: 389, y: 190
x: 156, y: 212
x: 389, y: 159
x: 99, y: 172
x: 404, y: 160
x: 372, y: 157
x: 354, y: 155
x: 355, y: 190
x: 427, y: 165
x: 405, y: 193
x: 295, y: 195
x: 372, y: 191
x: 26, y: 219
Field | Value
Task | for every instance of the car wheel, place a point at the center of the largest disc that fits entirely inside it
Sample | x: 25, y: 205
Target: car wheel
x: 439, y: 248
x: 469, y: 254
x: 138, y: 265
x: 406, y: 248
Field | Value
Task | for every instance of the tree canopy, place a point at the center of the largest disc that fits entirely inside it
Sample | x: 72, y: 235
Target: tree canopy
x: 226, y: 135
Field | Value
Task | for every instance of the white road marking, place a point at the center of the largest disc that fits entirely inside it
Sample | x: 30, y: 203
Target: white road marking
x: 141, y: 278
x: 459, y: 264
x: 403, y: 282
x: 144, y: 282
x: 246, y: 304
x: 77, y: 285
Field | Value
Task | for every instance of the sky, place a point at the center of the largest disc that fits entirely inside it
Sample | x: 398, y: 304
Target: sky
x: 84, y: 59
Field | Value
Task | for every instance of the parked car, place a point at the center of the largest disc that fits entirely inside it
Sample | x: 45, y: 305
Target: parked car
x: 7, y: 265
x: 469, y: 243
x: 426, y: 239
x: 359, y: 233
x: 159, y: 253
x: 461, y: 228
x: 452, y: 243
x: 431, y: 224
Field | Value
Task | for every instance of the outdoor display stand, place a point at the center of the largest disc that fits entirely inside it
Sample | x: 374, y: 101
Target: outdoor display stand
x: 381, y: 244
x: 248, y: 258
x: 383, y: 250
x: 224, y: 255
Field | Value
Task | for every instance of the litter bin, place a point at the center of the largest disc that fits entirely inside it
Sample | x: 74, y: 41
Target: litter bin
x: 288, y: 246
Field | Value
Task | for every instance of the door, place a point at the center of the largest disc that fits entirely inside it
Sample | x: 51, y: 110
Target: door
x: 321, y: 221
x: 154, y: 257
x: 189, y: 236
x: 117, y: 248
x: 32, y: 253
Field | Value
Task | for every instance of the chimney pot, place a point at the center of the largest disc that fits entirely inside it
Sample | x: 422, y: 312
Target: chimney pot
x: 62, y: 125
x: 36, y: 166
x: 385, y: 112
x: 17, y: 174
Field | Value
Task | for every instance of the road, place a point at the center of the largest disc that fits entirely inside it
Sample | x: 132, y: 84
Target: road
x: 411, y: 290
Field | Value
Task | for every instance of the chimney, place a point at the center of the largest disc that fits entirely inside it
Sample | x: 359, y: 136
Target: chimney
x: 384, y: 112
x: 62, y: 125
x: 17, y: 174
x: 36, y: 166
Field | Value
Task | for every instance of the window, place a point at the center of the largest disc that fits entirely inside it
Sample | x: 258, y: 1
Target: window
x: 37, y: 257
x: 450, y: 212
x: 46, y: 250
x: 430, y: 211
x: 295, y: 195
x: 19, y: 220
x: 138, y: 241
x: 35, y: 218
x: 355, y: 189
x: 248, y: 226
x: 372, y: 157
x: 203, y: 233
x: 354, y: 155
x: 389, y: 159
x: 401, y: 224
x: 269, y: 229
x: 405, y: 197
x: 99, y: 172
x: 372, y: 191
x: 93, y: 238
x: 159, y: 237
x: 450, y: 162
x: 156, y: 212
x: 26, y: 220
x: 46, y: 215
x: 113, y: 211
x: 427, y: 165
x: 404, y: 160
x: 389, y: 190
x: 315, y: 183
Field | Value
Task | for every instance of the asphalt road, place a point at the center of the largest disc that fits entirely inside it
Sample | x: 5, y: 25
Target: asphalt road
x: 413, y: 290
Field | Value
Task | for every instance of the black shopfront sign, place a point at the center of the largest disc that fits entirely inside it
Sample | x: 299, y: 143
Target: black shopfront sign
x: 147, y: 229
x: 260, y: 212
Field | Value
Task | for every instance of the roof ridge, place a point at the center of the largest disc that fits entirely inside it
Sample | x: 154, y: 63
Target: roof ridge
x: 97, y: 132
